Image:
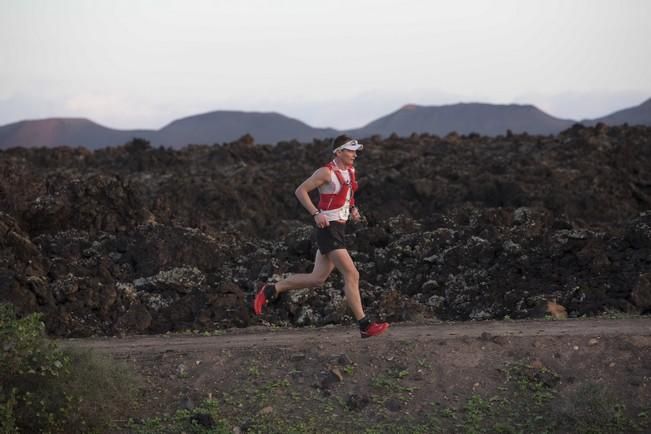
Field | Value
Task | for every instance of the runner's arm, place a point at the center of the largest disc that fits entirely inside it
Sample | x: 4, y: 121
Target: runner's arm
x: 317, y: 179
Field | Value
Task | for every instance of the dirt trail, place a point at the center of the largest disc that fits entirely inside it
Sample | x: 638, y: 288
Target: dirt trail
x: 332, y: 376
x: 262, y: 337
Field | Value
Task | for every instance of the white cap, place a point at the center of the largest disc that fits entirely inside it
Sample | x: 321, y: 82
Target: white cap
x: 351, y: 145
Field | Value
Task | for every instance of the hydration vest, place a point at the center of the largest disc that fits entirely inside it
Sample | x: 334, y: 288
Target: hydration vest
x: 338, y: 199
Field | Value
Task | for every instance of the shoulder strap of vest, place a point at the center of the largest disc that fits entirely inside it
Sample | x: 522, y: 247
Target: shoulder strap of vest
x: 337, y: 172
x: 351, y: 173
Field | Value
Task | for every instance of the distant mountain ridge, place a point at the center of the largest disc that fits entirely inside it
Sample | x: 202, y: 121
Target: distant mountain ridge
x: 638, y: 115
x: 64, y: 131
x: 465, y: 118
x: 226, y: 126
x: 270, y: 127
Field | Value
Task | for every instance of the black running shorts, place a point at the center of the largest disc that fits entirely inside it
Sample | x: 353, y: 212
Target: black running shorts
x: 331, y: 237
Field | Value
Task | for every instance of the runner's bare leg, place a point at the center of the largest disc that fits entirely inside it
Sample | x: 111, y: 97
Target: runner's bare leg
x: 344, y: 263
x: 323, y: 266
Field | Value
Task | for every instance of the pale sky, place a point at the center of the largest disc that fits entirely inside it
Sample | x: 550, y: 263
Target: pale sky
x: 143, y: 63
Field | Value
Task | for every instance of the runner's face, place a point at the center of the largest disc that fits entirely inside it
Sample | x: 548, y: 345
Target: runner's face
x: 347, y: 156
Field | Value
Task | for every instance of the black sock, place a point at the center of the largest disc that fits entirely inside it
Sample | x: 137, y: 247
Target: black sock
x: 364, y: 323
x: 270, y: 292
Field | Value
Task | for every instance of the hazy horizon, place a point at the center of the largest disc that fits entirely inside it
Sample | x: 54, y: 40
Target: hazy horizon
x: 142, y: 64
x: 297, y: 117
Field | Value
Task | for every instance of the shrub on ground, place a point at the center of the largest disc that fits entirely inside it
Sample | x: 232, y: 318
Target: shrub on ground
x: 44, y: 388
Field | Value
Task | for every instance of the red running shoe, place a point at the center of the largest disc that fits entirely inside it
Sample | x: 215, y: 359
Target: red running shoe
x: 375, y: 329
x: 260, y: 300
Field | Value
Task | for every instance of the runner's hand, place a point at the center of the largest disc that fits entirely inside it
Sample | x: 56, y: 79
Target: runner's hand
x: 321, y: 221
x: 355, y: 215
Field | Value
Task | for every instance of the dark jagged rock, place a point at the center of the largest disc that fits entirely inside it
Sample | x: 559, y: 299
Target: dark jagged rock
x: 138, y: 239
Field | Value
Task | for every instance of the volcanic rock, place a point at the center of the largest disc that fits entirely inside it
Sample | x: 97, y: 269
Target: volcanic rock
x: 137, y: 239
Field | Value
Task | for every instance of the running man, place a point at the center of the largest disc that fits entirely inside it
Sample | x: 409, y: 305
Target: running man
x: 337, y: 185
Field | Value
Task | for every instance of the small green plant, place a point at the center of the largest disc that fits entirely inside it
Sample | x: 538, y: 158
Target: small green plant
x: 477, y: 409
x: 30, y: 369
x: 537, y: 382
x: 201, y: 420
x: 274, y: 385
x: 47, y: 389
x: 391, y: 381
x: 254, y: 371
x: 401, y: 373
